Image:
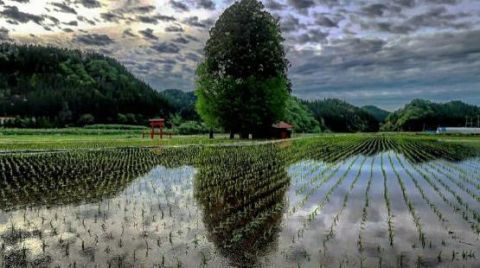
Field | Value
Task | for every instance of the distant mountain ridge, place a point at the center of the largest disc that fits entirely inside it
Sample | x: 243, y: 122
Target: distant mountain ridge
x: 421, y: 115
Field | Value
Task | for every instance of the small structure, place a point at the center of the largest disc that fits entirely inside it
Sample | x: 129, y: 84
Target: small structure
x: 154, y: 123
x: 5, y: 119
x: 282, y: 130
x: 458, y: 130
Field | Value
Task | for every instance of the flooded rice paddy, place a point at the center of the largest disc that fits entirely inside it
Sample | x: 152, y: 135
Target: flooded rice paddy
x: 319, y: 202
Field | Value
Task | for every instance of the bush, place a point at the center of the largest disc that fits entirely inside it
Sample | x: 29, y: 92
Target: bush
x: 86, y: 119
x: 192, y: 127
x: 131, y: 119
x: 121, y: 118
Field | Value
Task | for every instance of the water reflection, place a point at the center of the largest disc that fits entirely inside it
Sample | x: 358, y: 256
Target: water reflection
x: 151, y: 217
x: 59, y: 179
x: 240, y: 205
x: 242, y: 201
x: 414, y: 150
x: 89, y: 177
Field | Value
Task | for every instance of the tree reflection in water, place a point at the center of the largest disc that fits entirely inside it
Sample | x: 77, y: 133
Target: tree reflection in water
x: 242, y: 200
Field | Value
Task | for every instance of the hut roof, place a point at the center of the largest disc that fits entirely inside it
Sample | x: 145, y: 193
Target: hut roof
x: 282, y: 124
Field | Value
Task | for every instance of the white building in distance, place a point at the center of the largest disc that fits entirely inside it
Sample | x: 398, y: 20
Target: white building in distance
x: 458, y: 130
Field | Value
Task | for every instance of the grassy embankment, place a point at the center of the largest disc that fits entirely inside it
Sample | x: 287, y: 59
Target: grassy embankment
x: 131, y: 136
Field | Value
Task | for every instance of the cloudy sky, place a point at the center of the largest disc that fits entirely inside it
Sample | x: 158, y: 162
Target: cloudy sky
x: 366, y: 52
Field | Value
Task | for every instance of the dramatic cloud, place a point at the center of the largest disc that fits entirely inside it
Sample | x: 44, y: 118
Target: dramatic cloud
x: 64, y: 8
x: 17, y: 16
x: 128, y: 33
x: 378, y: 10
x: 312, y: 36
x: 147, y: 19
x: 274, y: 5
x: 174, y: 28
x: 290, y: 23
x: 194, y: 21
x: 301, y: 4
x: 179, y: 5
x: 206, y: 4
x: 366, y: 52
x: 166, y: 48
x: 323, y: 20
x: 89, y: 3
x: 148, y: 33
x: 94, y: 39
x: 376, y: 69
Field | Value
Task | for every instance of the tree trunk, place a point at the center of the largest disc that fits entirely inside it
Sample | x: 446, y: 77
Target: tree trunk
x: 211, y: 133
x: 232, y: 135
x: 244, y: 135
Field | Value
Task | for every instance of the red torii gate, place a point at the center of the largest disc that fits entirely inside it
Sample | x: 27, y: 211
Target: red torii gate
x: 160, y: 123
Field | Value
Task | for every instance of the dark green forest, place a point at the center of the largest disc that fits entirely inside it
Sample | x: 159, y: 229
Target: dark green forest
x: 62, y: 87
x: 183, y: 103
x: 340, y: 116
x: 379, y: 114
x: 52, y: 87
x: 421, y: 115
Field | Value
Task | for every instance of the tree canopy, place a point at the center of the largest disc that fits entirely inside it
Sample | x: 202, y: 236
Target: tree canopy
x: 242, y: 85
x: 302, y: 119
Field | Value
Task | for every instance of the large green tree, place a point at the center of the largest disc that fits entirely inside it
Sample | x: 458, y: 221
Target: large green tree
x: 242, y: 85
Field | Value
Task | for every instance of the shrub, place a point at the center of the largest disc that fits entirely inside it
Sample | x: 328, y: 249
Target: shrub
x: 192, y: 127
x: 86, y: 119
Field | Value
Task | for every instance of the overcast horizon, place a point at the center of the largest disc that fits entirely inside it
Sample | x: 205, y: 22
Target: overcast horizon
x: 382, y: 53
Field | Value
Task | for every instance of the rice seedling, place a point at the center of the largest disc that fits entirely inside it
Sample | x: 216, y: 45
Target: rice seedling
x: 386, y: 196
x: 291, y: 203
x: 410, y: 205
x: 360, y: 242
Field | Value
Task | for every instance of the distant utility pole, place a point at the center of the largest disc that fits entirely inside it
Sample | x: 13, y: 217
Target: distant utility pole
x: 469, y: 123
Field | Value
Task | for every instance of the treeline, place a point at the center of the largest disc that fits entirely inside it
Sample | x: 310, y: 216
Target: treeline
x: 306, y: 116
x: 46, y: 87
x: 340, y: 116
x: 418, y: 115
x: 421, y: 115
x: 55, y: 87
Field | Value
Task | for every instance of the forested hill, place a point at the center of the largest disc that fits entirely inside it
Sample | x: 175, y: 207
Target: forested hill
x: 376, y: 112
x: 61, y: 86
x: 340, y: 116
x: 421, y: 115
x: 182, y: 102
